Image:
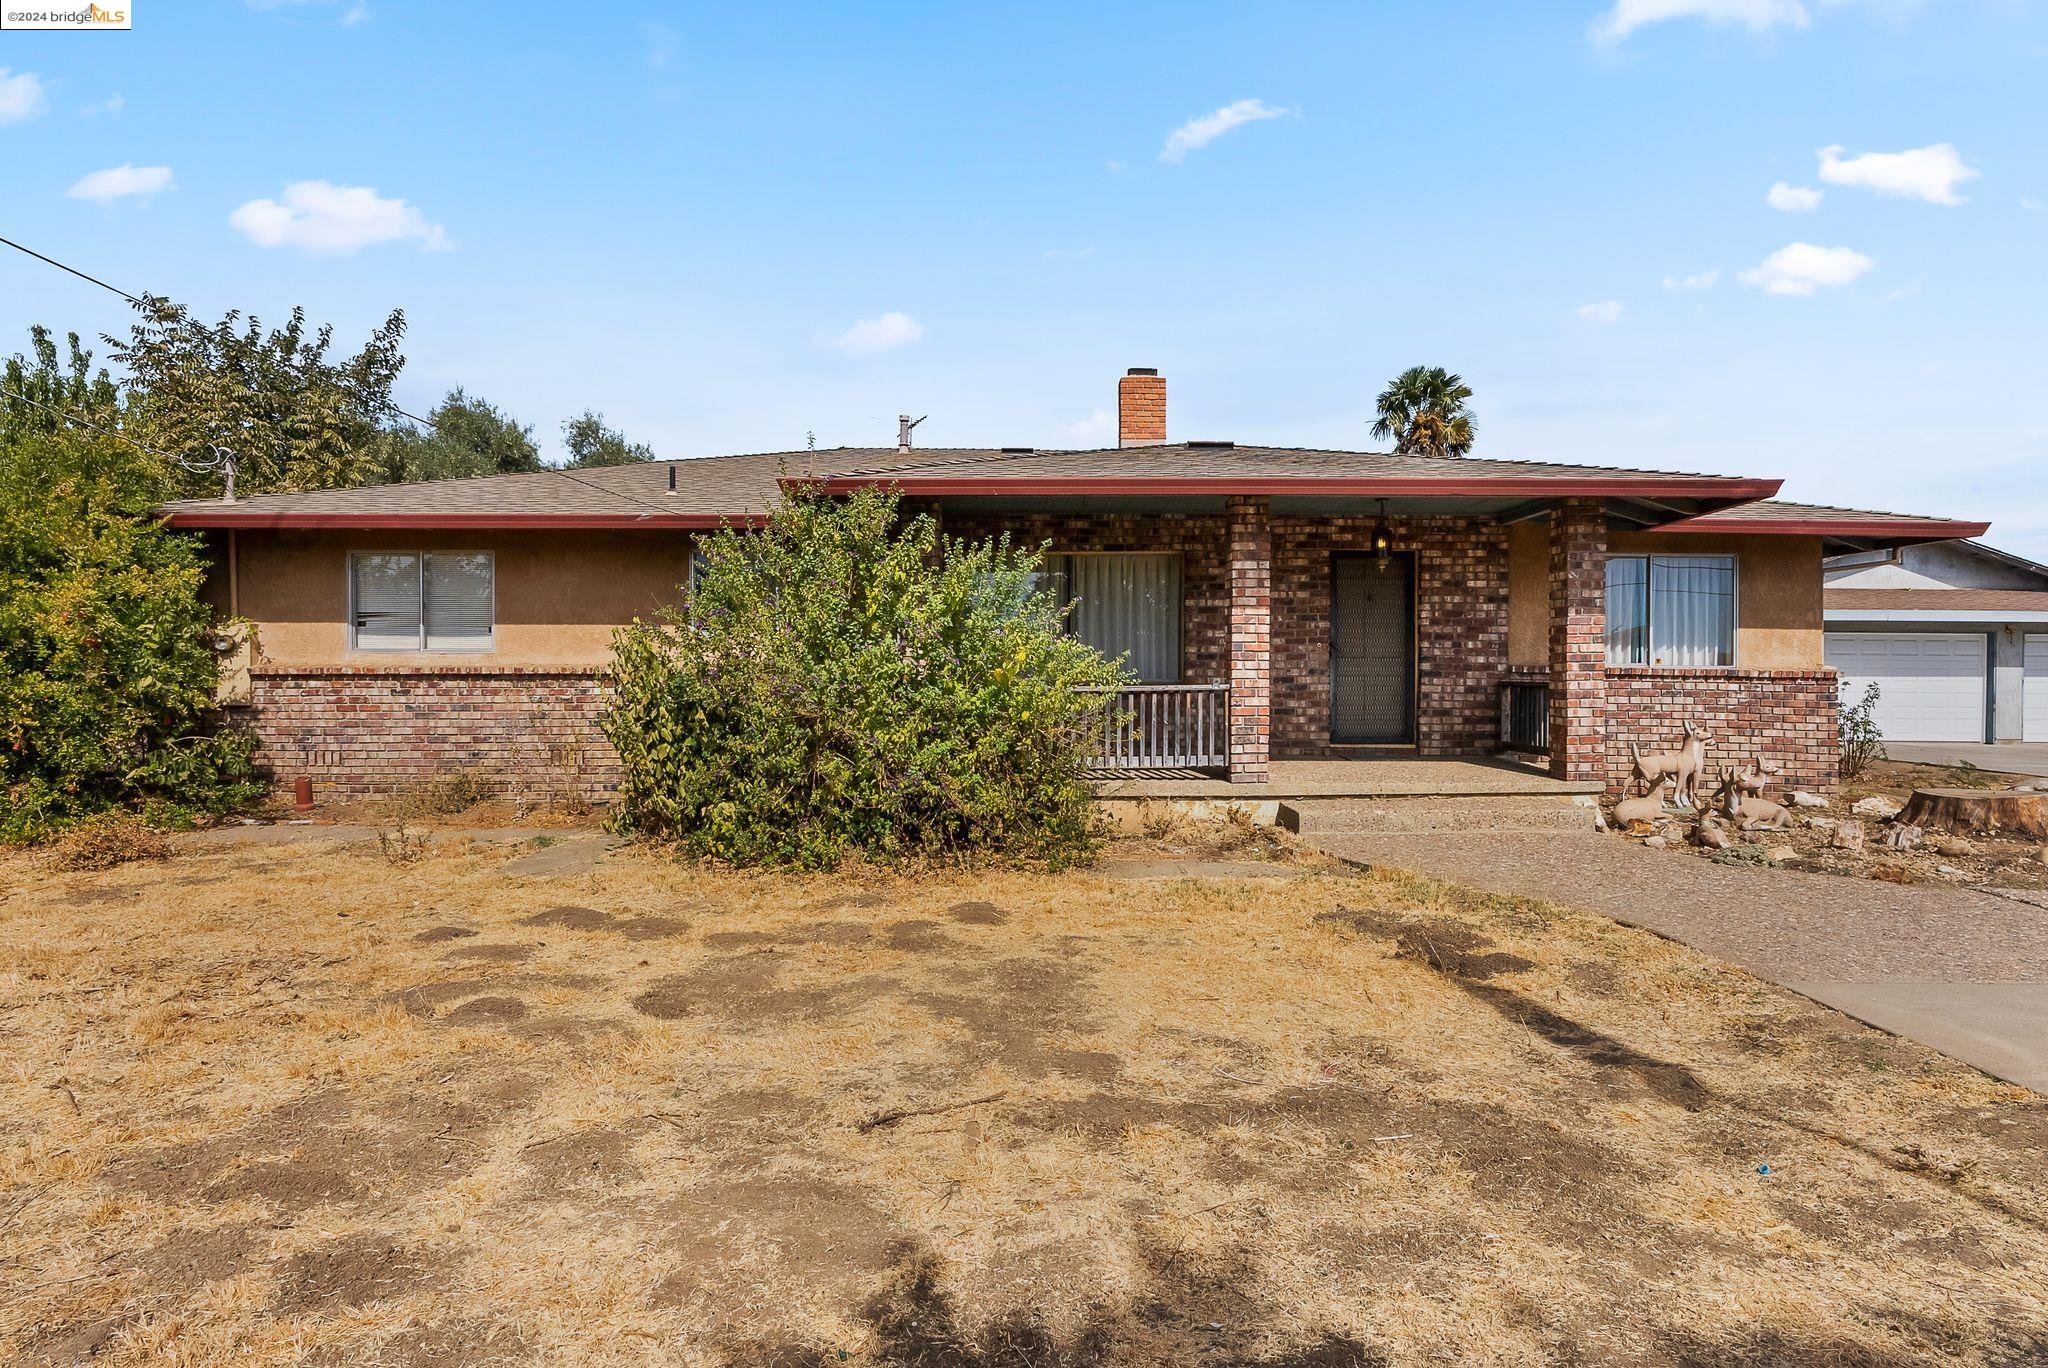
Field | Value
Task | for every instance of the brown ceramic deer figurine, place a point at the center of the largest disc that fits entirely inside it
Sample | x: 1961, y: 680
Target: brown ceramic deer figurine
x: 1648, y: 808
x: 1754, y: 777
x: 1747, y: 813
x: 1684, y: 766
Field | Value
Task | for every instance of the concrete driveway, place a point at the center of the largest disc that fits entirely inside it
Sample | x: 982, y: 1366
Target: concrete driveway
x: 2019, y: 757
x: 1963, y: 972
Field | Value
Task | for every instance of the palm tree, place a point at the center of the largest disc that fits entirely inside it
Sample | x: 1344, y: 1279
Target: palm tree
x: 1423, y: 410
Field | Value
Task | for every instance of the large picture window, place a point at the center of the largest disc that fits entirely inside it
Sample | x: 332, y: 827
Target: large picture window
x: 1124, y: 604
x: 1676, y: 611
x: 422, y: 601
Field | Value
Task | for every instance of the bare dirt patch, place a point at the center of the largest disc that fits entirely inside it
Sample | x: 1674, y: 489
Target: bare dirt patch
x: 570, y: 918
x: 1330, y: 1120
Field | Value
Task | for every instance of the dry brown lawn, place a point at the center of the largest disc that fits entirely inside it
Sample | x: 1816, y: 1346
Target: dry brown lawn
x: 297, y: 1104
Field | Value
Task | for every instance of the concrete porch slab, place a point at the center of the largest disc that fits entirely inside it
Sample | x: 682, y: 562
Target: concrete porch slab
x: 1395, y: 776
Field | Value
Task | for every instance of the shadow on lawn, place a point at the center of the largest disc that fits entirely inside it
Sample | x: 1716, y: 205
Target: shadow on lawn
x: 916, y: 1325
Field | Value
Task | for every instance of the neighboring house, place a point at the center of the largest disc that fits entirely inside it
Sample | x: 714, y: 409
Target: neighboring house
x: 1954, y: 634
x: 1277, y: 603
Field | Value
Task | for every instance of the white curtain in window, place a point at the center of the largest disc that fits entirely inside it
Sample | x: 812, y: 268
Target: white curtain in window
x: 387, y: 601
x: 1692, y: 611
x: 1128, y: 606
x: 459, y: 604
x: 1628, y: 608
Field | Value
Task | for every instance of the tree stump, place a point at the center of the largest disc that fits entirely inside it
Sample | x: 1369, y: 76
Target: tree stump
x: 1985, y: 810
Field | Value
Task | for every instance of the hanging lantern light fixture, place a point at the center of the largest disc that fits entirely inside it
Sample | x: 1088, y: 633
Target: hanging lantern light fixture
x: 1382, y: 540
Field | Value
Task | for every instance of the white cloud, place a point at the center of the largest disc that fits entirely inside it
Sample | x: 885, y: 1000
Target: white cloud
x: 1603, y: 313
x: 21, y: 96
x: 111, y: 107
x: 1098, y: 429
x: 358, y: 13
x: 1924, y: 173
x: 1755, y: 15
x: 317, y: 216
x: 1703, y: 281
x: 2033, y: 204
x: 1199, y: 132
x: 1802, y: 268
x: 1793, y: 199
x: 122, y: 182
x: 663, y: 43
x: 884, y: 332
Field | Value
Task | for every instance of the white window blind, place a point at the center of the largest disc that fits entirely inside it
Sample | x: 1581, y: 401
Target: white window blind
x: 409, y: 601
x: 1674, y: 611
x: 387, y: 602
x: 1125, y: 605
x: 459, y: 606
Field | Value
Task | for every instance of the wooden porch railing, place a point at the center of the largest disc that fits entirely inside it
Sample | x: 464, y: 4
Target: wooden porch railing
x: 1164, y: 726
x: 1525, y: 716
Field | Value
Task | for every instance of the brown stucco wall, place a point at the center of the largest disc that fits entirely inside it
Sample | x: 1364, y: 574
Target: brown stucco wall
x: 560, y: 595
x: 1778, y: 623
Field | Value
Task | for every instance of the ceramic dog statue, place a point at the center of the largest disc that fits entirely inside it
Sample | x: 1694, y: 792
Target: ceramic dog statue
x: 1684, y: 766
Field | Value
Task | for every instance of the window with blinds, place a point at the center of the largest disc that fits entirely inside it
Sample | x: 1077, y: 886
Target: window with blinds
x: 1676, y: 611
x: 1126, y: 605
x: 430, y: 601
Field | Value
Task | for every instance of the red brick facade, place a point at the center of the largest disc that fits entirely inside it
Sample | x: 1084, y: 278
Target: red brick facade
x: 1578, y: 640
x: 364, y: 733
x: 1788, y: 717
x: 1461, y: 628
x: 1251, y: 640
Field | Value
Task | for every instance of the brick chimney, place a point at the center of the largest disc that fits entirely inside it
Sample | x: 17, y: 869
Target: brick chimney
x: 1141, y: 407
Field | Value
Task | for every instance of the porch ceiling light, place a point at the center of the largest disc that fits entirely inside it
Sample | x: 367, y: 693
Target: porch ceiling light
x: 1382, y: 540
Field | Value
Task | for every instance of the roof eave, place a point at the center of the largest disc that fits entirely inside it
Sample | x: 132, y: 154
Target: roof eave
x: 1726, y: 492
x: 227, y: 517
x: 1850, y: 533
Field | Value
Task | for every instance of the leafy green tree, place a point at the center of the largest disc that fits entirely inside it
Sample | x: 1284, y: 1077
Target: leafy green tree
x: 107, y: 672
x: 35, y: 388
x: 469, y: 436
x: 295, y: 416
x: 591, y: 443
x: 1423, y: 410
x: 844, y: 681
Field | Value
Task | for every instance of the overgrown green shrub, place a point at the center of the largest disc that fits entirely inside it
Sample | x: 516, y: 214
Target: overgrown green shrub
x: 106, y: 672
x: 1862, y: 741
x: 848, y: 681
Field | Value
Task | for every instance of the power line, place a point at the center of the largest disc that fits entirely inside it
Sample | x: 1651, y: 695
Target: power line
x: 93, y: 279
x: 222, y: 457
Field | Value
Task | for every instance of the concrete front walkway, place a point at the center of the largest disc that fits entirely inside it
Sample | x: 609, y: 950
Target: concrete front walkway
x: 2018, y: 757
x: 1965, y: 973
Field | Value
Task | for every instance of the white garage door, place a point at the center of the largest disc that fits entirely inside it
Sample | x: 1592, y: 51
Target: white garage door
x: 2034, y: 692
x: 1930, y: 684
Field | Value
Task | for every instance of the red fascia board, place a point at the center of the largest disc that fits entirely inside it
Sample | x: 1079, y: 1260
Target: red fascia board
x: 1921, y: 529
x: 252, y: 518
x: 1387, y: 486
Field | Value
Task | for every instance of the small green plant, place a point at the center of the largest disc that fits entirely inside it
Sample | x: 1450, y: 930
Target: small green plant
x: 1862, y: 741
x: 848, y: 681
x: 1744, y: 857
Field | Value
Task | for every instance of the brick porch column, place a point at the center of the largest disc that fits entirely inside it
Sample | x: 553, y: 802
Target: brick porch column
x: 1251, y: 640
x: 1578, y: 641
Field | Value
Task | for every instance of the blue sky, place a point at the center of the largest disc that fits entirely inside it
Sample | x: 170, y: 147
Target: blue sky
x: 729, y: 225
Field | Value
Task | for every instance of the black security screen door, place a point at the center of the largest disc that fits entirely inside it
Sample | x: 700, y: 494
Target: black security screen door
x: 1372, y: 650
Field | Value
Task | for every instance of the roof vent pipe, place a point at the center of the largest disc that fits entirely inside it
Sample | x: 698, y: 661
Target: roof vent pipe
x: 671, y: 482
x: 904, y: 424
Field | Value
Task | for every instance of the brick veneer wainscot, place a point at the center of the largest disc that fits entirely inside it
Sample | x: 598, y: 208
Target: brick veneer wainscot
x: 364, y: 732
x: 1578, y: 640
x: 1251, y: 639
x: 1461, y: 628
x: 1788, y: 717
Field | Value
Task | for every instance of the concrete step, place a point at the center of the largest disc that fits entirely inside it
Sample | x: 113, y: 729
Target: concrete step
x: 1345, y: 816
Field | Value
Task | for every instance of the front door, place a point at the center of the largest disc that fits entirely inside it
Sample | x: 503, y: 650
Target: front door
x: 1372, y: 650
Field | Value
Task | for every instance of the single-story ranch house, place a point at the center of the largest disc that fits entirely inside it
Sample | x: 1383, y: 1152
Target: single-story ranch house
x: 1277, y: 604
